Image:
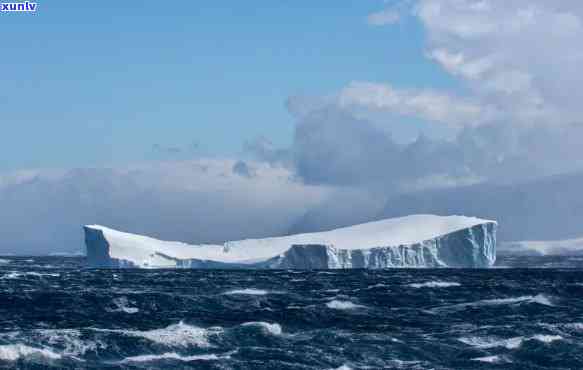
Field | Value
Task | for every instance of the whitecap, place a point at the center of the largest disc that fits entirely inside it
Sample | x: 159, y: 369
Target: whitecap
x: 68, y: 340
x: 248, y: 291
x: 176, y: 335
x: 10, y: 276
x: 510, y: 343
x: 546, y: 338
x: 343, y: 305
x: 175, y: 356
x: 16, y: 275
x: 574, y: 326
x: 492, y: 342
x: 15, y: 352
x: 123, y: 305
x: 435, y: 284
x: 274, y: 329
x: 4, y: 262
x: 490, y: 359
x: 538, y: 299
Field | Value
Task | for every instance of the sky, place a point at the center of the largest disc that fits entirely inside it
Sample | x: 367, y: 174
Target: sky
x: 112, y: 82
x: 205, y: 121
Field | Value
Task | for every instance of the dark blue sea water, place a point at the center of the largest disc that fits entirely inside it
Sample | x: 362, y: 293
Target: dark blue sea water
x: 54, y: 313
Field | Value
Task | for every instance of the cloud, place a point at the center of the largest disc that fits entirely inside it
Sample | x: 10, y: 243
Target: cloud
x: 331, y: 146
x: 241, y: 168
x: 517, y: 55
x: 264, y: 150
x: 518, y: 118
x: 518, y: 58
x: 334, y: 146
x: 432, y: 105
x: 193, y: 201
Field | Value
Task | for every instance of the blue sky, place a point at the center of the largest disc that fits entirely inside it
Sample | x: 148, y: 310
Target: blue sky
x: 100, y: 83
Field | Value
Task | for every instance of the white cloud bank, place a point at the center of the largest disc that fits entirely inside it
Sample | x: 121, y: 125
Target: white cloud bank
x: 193, y: 201
x: 520, y: 59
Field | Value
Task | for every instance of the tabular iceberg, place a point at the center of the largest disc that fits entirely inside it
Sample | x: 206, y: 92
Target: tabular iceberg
x: 412, y: 241
x: 567, y: 247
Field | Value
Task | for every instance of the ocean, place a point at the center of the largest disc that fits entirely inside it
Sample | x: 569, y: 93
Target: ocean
x: 55, y: 313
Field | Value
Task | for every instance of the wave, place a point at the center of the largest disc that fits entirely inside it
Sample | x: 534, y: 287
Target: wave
x: 16, y: 275
x: 343, y: 305
x: 175, y: 356
x: 274, y: 329
x: 379, y: 285
x: 577, y: 326
x: 248, y: 291
x: 176, y: 335
x: 4, y: 262
x: 15, y: 352
x: 491, y: 359
x: 540, y: 299
x: 435, y: 284
x: 510, y: 343
x: 123, y: 305
x: 62, y: 342
x: 69, y: 341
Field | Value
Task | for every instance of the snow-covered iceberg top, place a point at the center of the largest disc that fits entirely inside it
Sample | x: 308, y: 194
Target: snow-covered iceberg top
x: 415, y: 241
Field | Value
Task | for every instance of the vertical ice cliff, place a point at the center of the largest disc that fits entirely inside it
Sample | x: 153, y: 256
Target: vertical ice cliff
x: 474, y: 247
x: 412, y: 241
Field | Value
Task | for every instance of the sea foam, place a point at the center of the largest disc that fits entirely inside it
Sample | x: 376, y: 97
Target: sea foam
x: 248, y: 291
x: 510, y: 343
x: 15, y: 352
x: 175, y: 335
x: 175, y: 356
x: 540, y: 299
x: 274, y: 329
x: 343, y: 305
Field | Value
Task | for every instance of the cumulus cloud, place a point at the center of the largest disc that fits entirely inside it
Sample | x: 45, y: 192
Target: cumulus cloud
x: 429, y: 104
x: 519, y: 59
x: 518, y: 119
x: 335, y: 147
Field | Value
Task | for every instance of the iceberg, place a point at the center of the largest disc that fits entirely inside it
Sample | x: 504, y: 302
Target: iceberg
x: 411, y: 241
x: 567, y: 247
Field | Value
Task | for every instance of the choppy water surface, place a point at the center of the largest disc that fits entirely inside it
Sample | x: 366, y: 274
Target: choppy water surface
x: 54, y: 313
